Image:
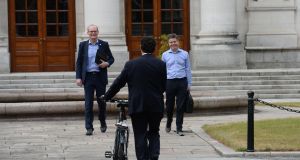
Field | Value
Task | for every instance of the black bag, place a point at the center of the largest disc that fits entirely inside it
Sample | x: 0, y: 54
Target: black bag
x: 189, y: 103
x: 100, y: 56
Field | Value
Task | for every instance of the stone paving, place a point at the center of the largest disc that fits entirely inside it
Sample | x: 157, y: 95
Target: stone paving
x: 63, y: 138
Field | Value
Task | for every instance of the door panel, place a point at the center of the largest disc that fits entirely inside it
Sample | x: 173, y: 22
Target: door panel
x: 27, y: 47
x: 174, y: 18
x: 154, y: 18
x: 42, y: 35
x: 27, y: 55
x: 24, y: 35
x: 59, y: 35
x: 57, y: 55
x: 140, y: 14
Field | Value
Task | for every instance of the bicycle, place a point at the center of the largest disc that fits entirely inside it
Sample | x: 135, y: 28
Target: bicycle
x: 122, y: 133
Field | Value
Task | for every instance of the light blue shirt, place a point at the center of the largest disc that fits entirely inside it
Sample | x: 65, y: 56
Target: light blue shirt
x: 91, y: 65
x: 178, y: 65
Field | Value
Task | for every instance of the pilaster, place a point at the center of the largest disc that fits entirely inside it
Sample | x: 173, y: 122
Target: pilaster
x: 272, y: 38
x: 216, y: 45
x: 4, y: 54
x: 271, y: 25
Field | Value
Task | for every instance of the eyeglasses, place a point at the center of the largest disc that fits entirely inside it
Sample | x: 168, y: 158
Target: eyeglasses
x: 93, y: 31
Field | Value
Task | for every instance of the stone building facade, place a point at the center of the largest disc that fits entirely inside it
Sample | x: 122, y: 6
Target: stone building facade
x: 219, y: 34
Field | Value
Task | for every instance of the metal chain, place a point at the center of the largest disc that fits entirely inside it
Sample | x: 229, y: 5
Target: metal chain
x: 275, y: 106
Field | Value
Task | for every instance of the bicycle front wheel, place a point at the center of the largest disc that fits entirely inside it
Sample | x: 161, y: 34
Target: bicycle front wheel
x: 121, y: 153
x: 116, y: 146
x: 120, y: 148
x: 121, y: 144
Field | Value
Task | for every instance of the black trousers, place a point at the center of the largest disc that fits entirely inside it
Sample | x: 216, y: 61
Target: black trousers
x: 94, y: 82
x: 146, y: 135
x: 176, y: 90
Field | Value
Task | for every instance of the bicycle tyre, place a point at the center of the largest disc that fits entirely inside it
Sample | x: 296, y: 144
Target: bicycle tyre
x: 116, y: 146
x: 122, y: 152
x: 126, y: 140
x: 121, y: 144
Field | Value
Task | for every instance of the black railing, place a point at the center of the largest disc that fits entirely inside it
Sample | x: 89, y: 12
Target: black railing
x: 250, y: 131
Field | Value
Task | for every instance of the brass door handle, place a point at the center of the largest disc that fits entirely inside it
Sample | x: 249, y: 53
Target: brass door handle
x: 41, y: 40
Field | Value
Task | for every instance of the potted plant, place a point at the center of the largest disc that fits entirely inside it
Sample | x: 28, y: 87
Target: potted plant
x: 163, y: 45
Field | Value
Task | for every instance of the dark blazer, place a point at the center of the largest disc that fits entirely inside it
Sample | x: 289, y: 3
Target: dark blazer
x: 82, y: 59
x: 146, y: 78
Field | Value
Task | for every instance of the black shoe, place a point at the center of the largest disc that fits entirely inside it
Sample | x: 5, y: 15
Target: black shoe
x: 103, y: 128
x: 89, y: 132
x: 168, y: 129
x: 168, y: 126
x: 180, y: 133
x: 154, y: 158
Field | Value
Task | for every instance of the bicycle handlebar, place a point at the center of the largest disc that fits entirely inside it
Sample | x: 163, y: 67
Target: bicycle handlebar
x: 119, y: 101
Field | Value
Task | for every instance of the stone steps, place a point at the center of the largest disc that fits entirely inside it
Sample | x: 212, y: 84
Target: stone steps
x: 245, y: 83
x: 210, y: 88
x: 70, y: 107
x: 244, y: 78
x: 63, y: 82
x: 78, y: 95
x: 69, y: 83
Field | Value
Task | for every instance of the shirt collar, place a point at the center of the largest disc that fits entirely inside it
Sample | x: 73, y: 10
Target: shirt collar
x: 90, y: 43
x: 178, y: 50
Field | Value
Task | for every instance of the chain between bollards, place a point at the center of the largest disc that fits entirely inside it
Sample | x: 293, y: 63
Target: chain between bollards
x: 250, y: 130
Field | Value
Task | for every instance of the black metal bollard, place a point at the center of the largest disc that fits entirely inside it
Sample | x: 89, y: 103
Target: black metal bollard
x: 250, y: 131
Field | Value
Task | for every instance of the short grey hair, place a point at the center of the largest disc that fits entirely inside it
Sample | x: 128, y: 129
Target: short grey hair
x: 91, y: 26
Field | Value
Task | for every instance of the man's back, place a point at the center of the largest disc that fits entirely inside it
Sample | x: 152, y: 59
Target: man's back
x: 146, y: 77
x: 146, y: 84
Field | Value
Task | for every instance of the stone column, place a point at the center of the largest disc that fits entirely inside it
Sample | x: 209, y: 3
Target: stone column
x: 216, y: 45
x: 109, y: 17
x: 4, y: 54
x: 218, y: 22
x: 103, y: 13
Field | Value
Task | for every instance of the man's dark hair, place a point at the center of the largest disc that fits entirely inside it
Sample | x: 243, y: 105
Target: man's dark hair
x: 148, y: 45
x: 173, y: 35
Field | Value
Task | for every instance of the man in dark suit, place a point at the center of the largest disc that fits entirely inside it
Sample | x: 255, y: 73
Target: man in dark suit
x: 146, y: 78
x: 93, y: 76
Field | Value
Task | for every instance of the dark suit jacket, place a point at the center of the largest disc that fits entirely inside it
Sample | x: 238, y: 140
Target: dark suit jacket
x: 82, y: 59
x: 146, y: 78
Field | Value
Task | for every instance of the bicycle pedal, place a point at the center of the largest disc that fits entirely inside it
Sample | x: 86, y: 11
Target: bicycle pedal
x: 108, y: 154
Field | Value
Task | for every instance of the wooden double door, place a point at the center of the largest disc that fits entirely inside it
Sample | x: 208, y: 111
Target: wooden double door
x: 155, y: 18
x: 42, y: 35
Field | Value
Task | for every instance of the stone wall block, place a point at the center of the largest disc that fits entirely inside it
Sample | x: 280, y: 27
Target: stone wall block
x: 271, y: 24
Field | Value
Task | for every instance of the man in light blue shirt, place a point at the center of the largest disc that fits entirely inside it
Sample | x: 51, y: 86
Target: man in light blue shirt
x: 179, y: 81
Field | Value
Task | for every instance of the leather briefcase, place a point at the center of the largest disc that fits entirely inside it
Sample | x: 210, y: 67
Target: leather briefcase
x: 189, y: 103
